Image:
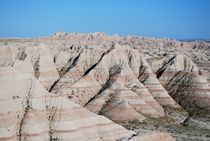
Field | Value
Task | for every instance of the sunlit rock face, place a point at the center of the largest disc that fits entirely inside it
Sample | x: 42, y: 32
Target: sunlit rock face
x: 118, y: 74
x: 44, y: 67
x: 33, y: 113
x: 185, y: 82
x: 54, y: 87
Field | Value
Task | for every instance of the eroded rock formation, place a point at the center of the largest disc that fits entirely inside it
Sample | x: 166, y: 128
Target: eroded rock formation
x: 29, y: 112
x: 125, y: 79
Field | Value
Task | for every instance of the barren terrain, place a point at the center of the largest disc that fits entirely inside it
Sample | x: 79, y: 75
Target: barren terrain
x: 74, y: 86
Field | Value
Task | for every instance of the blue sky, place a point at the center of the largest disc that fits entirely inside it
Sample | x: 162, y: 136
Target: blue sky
x: 182, y: 19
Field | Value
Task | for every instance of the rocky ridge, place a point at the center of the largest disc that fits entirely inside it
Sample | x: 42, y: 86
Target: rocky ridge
x: 125, y: 79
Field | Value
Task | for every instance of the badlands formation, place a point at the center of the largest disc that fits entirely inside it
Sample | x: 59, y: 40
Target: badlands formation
x: 75, y: 87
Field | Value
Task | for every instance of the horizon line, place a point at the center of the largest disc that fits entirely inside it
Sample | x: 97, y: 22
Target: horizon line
x: 109, y: 34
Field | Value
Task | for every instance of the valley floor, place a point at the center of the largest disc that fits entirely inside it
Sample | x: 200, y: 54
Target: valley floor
x: 179, y: 132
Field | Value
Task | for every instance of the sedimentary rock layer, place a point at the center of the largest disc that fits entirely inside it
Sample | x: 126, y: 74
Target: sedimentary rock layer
x: 122, y: 78
x: 32, y: 113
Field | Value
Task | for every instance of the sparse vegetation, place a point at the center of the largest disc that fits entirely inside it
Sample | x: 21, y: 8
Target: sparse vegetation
x: 15, y: 97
